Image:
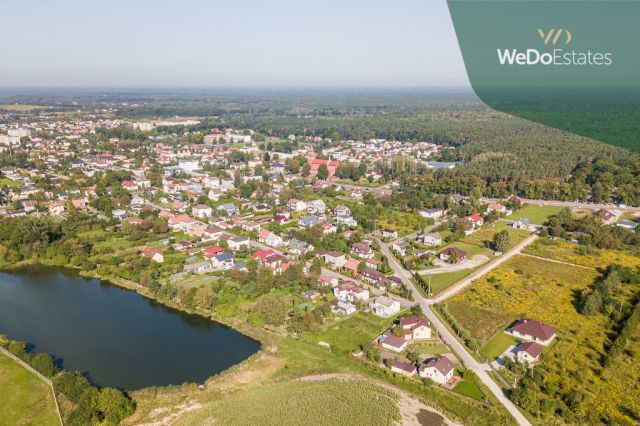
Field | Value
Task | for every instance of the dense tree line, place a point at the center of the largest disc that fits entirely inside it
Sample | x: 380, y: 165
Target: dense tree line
x: 91, y: 405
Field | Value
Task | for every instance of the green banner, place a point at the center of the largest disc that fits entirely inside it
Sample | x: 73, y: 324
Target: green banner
x: 572, y: 65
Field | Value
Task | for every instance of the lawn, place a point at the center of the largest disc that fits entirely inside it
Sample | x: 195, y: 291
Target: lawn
x: 538, y: 215
x: 25, y: 399
x: 470, y: 389
x: 5, y: 181
x: 566, y: 251
x: 329, y: 402
x: 496, y: 346
x: 471, y: 249
x: 485, y: 235
x: 526, y: 287
x: 441, y: 282
x: 350, y: 333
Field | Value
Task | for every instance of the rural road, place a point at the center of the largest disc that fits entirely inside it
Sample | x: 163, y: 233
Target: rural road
x: 480, y: 369
x: 465, y: 282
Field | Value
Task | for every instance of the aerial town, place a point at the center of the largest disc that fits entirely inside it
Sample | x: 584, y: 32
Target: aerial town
x: 309, y: 238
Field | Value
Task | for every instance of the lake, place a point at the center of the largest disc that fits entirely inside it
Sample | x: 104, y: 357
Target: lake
x: 115, y: 336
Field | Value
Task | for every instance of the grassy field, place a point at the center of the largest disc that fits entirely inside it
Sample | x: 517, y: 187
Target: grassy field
x: 471, y: 249
x: 526, y: 287
x: 350, y: 333
x: 327, y: 402
x: 485, y: 235
x: 565, y: 251
x: 538, y: 215
x: 24, y: 398
x: 5, y: 181
x: 470, y: 389
x: 441, y: 282
x: 282, y: 361
x: 496, y: 346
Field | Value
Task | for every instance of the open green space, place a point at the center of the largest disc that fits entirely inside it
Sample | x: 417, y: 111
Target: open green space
x: 537, y: 214
x: 350, y: 333
x: 24, y: 398
x: 496, y: 346
x: 470, y: 389
x: 441, y: 282
x: 5, y: 181
x: 304, y: 403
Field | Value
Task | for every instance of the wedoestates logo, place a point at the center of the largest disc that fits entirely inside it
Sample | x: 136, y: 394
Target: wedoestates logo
x: 557, y: 56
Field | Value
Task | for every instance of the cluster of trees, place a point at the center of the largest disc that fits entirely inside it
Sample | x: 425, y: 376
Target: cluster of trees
x: 590, y: 231
x: 91, y: 405
x: 351, y: 171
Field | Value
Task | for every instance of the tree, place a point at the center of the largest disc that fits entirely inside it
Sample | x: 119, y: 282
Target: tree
x: 323, y: 172
x: 271, y: 309
x: 501, y: 241
x: 44, y: 364
x: 114, y: 405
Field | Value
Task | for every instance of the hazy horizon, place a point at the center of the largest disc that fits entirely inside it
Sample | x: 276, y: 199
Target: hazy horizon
x: 195, y: 43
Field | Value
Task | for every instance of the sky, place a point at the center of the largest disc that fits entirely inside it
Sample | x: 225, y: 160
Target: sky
x: 228, y: 43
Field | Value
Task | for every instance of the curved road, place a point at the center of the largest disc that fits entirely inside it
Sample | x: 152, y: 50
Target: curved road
x: 480, y: 369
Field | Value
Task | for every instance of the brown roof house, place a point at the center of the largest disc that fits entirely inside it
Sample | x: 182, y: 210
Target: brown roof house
x: 534, y: 331
x: 404, y: 368
x: 528, y: 353
x: 438, y: 369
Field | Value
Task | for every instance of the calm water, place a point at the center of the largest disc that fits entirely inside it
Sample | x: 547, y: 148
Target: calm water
x: 117, y: 337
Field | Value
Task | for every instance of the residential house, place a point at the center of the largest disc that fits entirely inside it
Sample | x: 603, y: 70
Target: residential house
x: 439, y: 369
x: 400, y: 247
x: 236, y: 243
x: 522, y: 223
x: 211, y: 252
x: 326, y: 280
x: 198, y: 267
x: 352, y: 266
x: 223, y: 260
x: 229, y: 208
x: 415, y: 328
x: 534, y: 331
x: 404, y: 368
x: 309, y: 221
x: 333, y: 258
x: 528, y: 353
x: 432, y: 213
x: 374, y: 277
x: 350, y: 292
x: 451, y: 254
x: 298, y: 247
x: 497, y: 207
x: 180, y: 222
x: 296, y: 205
x: 316, y: 207
x: 431, y: 240
x: 383, y: 306
x: 155, y: 254
x: 362, y: 250
x: 212, y: 233
x: 389, y: 234
x: 201, y: 211
x: 390, y: 342
x: 343, y: 308
x: 372, y: 263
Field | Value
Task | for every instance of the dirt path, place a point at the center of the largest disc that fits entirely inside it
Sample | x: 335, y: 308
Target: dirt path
x: 412, y: 410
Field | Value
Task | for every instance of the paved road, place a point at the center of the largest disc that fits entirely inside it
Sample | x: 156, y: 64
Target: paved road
x: 572, y: 204
x: 468, y: 280
x: 480, y: 369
